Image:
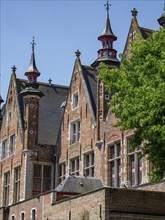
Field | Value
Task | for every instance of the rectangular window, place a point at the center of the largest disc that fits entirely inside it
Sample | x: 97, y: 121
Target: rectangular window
x: 62, y: 171
x: 89, y: 164
x: 6, y: 187
x: 74, y: 132
x: 135, y: 165
x: 33, y: 214
x: 74, y: 166
x: 12, y: 144
x: 22, y: 216
x: 8, y: 118
x: 75, y: 100
x: 41, y: 179
x: 4, y: 149
x: 132, y: 170
x: 17, y: 178
x: 114, y: 160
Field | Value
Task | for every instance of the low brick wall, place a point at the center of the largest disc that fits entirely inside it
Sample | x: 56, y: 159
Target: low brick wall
x: 102, y: 204
x: 130, y: 201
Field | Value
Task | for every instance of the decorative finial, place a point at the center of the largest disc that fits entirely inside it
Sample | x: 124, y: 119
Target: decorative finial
x: 134, y: 12
x: 13, y: 68
x: 107, y: 6
x: 78, y: 53
x: 33, y: 44
x: 50, y: 81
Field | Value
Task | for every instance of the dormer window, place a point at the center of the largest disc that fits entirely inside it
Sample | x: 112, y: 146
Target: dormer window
x: 75, y: 100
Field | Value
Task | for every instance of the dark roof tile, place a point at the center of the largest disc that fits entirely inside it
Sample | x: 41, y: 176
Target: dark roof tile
x: 79, y: 184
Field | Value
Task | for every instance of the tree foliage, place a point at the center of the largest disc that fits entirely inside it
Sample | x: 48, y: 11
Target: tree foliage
x: 138, y: 96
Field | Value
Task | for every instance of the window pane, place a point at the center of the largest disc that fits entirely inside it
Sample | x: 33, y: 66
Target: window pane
x: 72, y: 165
x: 47, y: 171
x: 87, y: 160
x: 37, y: 185
x: 37, y: 170
x: 132, y: 161
x: 92, y: 159
x: 118, y: 150
x: 46, y: 185
x: 33, y: 214
x: 112, y: 152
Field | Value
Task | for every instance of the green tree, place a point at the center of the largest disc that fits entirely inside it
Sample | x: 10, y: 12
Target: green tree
x: 138, y: 96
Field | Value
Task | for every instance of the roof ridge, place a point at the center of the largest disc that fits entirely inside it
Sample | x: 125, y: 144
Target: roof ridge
x: 46, y: 84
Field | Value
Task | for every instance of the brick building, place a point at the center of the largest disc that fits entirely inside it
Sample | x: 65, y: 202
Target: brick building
x: 53, y: 134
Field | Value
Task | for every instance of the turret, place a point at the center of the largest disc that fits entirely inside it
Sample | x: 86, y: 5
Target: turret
x: 107, y: 54
x: 31, y: 97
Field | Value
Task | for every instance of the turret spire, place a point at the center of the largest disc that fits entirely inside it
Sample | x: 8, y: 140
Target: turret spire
x: 107, y: 53
x: 32, y: 73
x: 107, y: 29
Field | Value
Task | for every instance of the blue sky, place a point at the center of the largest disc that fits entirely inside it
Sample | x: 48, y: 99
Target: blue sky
x: 60, y: 28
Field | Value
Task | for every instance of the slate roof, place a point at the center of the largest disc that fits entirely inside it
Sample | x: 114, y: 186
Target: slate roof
x: 50, y: 111
x: 89, y: 75
x: 145, y: 32
x: 79, y: 184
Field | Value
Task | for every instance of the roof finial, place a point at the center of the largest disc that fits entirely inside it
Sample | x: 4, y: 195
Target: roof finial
x: 13, y: 69
x: 107, y: 6
x: 134, y: 12
x: 50, y: 81
x: 78, y: 53
x: 33, y: 44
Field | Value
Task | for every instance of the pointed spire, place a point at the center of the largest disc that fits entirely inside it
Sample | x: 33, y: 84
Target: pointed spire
x: 32, y: 73
x: 107, y: 29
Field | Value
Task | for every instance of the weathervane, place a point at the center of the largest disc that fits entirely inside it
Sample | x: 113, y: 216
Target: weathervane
x: 33, y: 44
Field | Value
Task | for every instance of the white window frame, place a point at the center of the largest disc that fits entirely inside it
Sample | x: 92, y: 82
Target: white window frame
x: 4, y: 149
x: 75, y: 99
x: 62, y: 166
x: 6, y: 188
x: 41, y: 178
x: 76, y: 170
x: 13, y: 217
x: 138, y: 166
x: 89, y: 169
x: 75, y: 127
x: 17, y: 184
x: 9, y: 117
x: 21, y: 216
x: 12, y: 144
x: 33, y: 217
x: 114, y: 164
